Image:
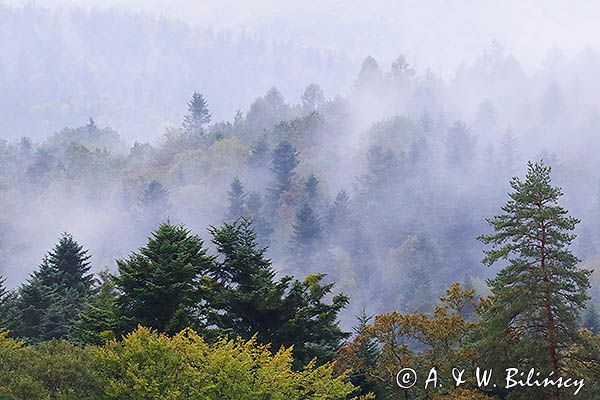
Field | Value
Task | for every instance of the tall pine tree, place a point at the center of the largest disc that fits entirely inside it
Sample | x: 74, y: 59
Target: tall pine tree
x: 161, y: 286
x: 237, y: 198
x: 49, y: 303
x: 285, y: 160
x: 198, y: 115
x: 532, y: 317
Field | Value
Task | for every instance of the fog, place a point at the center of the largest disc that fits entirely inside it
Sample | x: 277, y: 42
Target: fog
x: 421, y: 113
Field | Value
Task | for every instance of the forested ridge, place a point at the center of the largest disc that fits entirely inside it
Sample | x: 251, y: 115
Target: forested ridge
x: 304, y: 248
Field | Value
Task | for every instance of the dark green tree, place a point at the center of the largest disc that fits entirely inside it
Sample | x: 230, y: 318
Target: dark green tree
x: 591, y: 319
x: 260, y: 222
x: 49, y: 303
x: 306, y: 236
x: 237, y: 198
x: 98, y: 321
x: 532, y: 317
x: 246, y: 300
x: 6, y: 304
x: 198, y: 115
x: 311, y: 324
x: 161, y: 286
x: 285, y: 160
x: 245, y: 296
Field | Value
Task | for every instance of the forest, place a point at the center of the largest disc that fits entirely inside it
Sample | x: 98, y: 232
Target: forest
x: 301, y: 248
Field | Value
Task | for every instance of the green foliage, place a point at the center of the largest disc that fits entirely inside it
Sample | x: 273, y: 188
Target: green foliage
x: 48, y: 304
x: 246, y: 300
x: 306, y: 236
x: 55, y: 370
x: 532, y: 316
x: 237, y: 198
x: 285, y: 160
x: 419, y: 341
x: 147, y: 365
x: 591, y: 319
x: 98, y: 321
x: 161, y: 286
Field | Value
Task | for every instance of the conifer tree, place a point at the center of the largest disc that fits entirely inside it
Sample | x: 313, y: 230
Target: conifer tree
x: 237, y: 198
x: 460, y: 146
x: 256, y: 212
x: 245, y: 296
x: 307, y: 232
x: 198, y: 115
x: 312, y: 190
x: 246, y: 300
x: 49, y: 303
x: 339, y: 212
x: 591, y: 319
x: 98, y: 322
x: 5, y: 303
x: 312, y: 97
x: 154, y: 205
x: 161, y: 286
x: 532, y: 316
x: 285, y: 160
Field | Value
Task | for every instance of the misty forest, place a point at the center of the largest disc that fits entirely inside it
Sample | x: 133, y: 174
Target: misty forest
x: 191, y: 214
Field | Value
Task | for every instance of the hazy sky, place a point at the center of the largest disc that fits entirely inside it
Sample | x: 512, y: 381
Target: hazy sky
x: 437, y: 34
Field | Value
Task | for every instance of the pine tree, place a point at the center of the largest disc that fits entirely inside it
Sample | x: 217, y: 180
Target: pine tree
x: 246, y: 300
x: 161, y: 286
x: 591, y: 319
x: 198, y: 115
x: 460, y: 146
x: 307, y: 232
x: 285, y: 160
x: 260, y: 222
x: 237, y: 198
x: 98, y: 322
x: 48, y: 304
x: 5, y: 303
x: 312, y: 97
x: 245, y: 297
x: 339, y: 211
x: 154, y: 205
x: 312, y: 190
x: 532, y: 317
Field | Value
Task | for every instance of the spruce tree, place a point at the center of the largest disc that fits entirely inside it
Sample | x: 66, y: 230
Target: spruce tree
x: 198, y: 115
x: 591, y: 319
x: 285, y: 160
x: 98, y: 322
x: 532, y: 317
x: 237, y: 198
x: 312, y: 190
x: 161, y: 286
x: 256, y: 213
x: 49, y: 303
x: 306, y: 236
x: 154, y: 206
x: 245, y: 296
x: 245, y: 299
x: 5, y: 303
x: 460, y: 146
